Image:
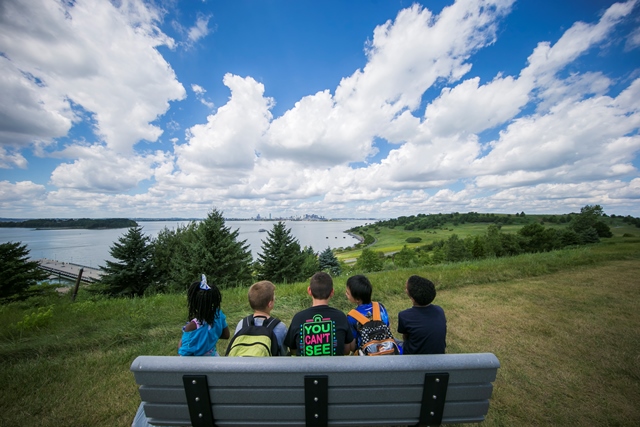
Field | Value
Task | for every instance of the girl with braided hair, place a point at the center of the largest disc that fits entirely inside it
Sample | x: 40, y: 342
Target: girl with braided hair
x: 208, y: 323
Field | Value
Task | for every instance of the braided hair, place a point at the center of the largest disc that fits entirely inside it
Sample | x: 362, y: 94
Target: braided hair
x: 203, y: 304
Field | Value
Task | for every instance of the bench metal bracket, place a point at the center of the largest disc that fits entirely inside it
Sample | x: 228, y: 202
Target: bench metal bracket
x: 316, y: 400
x: 196, y: 389
x: 434, y: 395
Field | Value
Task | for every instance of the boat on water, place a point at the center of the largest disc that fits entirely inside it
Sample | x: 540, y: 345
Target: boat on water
x: 262, y: 230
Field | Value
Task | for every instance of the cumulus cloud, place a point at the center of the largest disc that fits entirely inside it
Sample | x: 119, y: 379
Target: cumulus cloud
x: 100, y: 169
x: 375, y: 145
x: 405, y: 58
x: 59, y: 54
x: 223, y: 150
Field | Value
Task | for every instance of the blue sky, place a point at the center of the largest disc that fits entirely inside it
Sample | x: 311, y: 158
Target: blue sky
x: 343, y: 109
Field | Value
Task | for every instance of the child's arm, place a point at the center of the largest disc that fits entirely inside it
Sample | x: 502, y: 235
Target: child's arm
x: 225, y: 333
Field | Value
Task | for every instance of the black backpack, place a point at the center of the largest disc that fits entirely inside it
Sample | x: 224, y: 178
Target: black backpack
x: 376, y: 337
x: 255, y: 341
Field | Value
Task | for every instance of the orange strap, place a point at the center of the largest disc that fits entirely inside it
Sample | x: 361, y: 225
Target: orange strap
x: 361, y: 317
x: 358, y: 316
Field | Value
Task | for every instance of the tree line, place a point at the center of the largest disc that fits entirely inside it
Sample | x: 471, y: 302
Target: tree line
x: 170, y: 261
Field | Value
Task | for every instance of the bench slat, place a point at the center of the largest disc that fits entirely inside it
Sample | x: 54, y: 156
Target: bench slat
x: 337, y: 413
x: 293, y: 395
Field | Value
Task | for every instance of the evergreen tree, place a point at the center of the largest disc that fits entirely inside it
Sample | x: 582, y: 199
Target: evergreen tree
x: 585, y: 224
x: 134, y: 273
x: 281, y: 260
x: 17, y: 273
x: 310, y: 266
x: 213, y: 249
x: 328, y: 262
x: 171, y: 255
x: 369, y: 260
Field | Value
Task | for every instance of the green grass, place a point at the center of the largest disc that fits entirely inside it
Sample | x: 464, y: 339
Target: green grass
x: 565, y: 326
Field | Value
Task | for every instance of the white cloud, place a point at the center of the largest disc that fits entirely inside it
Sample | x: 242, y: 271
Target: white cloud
x: 405, y: 58
x: 93, y: 54
x: 200, y: 29
x: 99, y: 169
x: 200, y: 92
x: 561, y: 137
x: 224, y: 149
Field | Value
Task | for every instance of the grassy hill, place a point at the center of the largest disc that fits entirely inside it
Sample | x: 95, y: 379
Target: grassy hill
x: 565, y: 326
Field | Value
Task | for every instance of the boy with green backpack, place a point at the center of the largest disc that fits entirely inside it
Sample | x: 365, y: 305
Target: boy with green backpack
x: 259, y: 334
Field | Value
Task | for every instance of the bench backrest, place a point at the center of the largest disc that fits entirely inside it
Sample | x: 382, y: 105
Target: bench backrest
x: 307, y: 391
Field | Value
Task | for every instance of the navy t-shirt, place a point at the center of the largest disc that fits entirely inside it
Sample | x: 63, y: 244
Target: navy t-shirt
x: 319, y: 331
x: 426, y: 330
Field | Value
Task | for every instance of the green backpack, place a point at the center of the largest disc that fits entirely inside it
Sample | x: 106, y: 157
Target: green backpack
x: 255, y: 341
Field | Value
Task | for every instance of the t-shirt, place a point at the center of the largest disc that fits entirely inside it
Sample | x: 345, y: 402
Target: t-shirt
x: 426, y: 329
x: 367, y: 311
x: 280, y: 330
x: 319, y: 331
x: 202, y: 341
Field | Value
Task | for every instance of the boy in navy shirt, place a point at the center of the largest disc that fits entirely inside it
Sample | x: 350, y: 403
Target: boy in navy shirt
x: 423, y: 326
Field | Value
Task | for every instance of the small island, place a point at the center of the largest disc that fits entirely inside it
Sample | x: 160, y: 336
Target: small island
x: 57, y: 223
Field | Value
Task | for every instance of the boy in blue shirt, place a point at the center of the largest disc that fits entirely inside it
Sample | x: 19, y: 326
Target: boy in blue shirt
x: 359, y: 292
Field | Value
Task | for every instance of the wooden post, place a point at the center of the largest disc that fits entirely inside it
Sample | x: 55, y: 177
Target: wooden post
x: 75, y: 290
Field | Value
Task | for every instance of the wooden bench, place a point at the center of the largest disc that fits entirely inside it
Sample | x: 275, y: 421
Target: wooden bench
x: 314, y: 391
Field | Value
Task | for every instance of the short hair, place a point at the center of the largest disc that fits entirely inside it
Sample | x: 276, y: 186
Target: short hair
x: 360, y: 288
x: 261, y: 294
x: 321, y: 285
x: 422, y: 290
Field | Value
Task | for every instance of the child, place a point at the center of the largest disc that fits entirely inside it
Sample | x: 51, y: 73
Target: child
x: 208, y: 323
x: 423, y: 326
x: 320, y: 330
x: 358, y: 292
x: 262, y: 299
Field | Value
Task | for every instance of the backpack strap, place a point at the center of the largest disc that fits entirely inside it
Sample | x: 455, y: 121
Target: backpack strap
x: 271, y: 324
x: 360, y: 318
x: 376, y: 311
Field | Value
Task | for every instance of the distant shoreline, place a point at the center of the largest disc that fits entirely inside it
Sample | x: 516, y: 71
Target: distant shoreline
x: 68, y: 224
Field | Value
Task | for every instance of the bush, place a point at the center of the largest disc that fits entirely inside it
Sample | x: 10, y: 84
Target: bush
x: 413, y: 239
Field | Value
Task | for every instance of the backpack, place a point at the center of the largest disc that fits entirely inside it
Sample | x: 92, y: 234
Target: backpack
x: 255, y: 341
x: 376, y: 337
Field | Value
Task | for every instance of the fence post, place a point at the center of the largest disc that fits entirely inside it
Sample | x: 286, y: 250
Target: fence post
x: 75, y: 289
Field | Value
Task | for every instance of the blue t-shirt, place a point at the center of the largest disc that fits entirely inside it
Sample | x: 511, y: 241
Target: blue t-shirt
x: 367, y: 311
x: 426, y: 329
x: 202, y: 341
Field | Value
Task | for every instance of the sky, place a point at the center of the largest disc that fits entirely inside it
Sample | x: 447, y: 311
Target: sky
x: 358, y: 109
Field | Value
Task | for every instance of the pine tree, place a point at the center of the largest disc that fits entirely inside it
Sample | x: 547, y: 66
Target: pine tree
x: 328, y: 262
x: 134, y: 273
x: 281, y: 260
x: 310, y: 266
x: 216, y: 252
x: 17, y: 273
